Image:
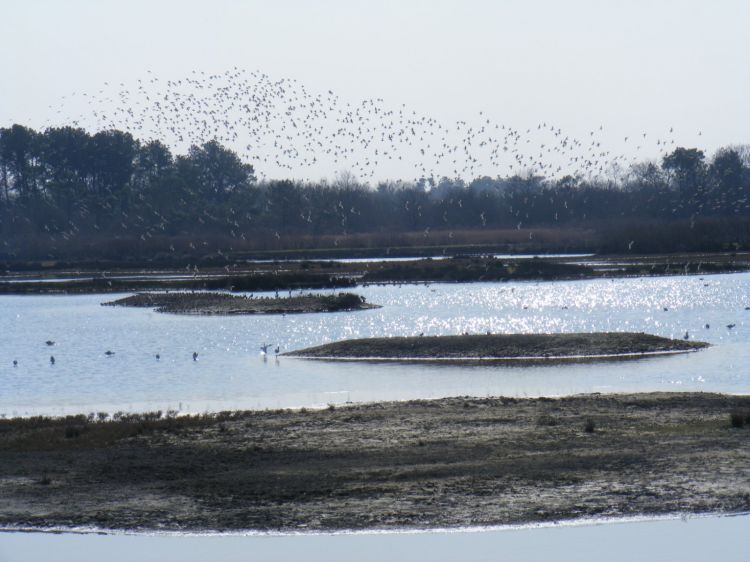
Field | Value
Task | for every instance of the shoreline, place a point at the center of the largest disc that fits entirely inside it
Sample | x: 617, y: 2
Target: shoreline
x: 563, y: 523
x: 451, y: 463
x: 522, y: 359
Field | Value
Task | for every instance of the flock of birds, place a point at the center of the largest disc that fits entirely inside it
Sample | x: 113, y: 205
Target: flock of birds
x: 109, y: 353
x: 287, y: 130
x: 264, y: 348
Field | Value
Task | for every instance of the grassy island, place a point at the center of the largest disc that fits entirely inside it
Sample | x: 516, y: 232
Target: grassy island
x: 499, y: 347
x: 224, y: 303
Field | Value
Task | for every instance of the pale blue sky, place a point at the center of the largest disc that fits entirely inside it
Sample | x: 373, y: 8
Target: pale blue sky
x: 629, y: 66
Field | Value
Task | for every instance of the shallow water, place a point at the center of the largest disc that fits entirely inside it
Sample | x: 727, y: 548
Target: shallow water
x: 230, y: 372
x: 689, y: 540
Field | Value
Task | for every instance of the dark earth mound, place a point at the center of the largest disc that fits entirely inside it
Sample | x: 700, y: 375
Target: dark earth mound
x: 223, y: 303
x: 498, y: 346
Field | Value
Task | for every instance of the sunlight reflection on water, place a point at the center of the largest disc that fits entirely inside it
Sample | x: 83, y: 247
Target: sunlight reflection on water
x: 230, y: 372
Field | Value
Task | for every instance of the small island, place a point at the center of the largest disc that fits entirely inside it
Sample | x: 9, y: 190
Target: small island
x: 205, y: 303
x: 499, y: 347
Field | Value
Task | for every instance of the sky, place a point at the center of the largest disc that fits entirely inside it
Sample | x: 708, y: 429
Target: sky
x: 678, y: 71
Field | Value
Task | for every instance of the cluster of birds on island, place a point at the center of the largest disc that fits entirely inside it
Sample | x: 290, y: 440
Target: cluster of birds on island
x: 282, y: 127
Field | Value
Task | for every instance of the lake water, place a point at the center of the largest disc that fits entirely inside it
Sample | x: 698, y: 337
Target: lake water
x: 230, y: 373
x: 726, y: 539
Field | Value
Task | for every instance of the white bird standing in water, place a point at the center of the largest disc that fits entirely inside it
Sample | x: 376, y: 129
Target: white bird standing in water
x: 264, y: 348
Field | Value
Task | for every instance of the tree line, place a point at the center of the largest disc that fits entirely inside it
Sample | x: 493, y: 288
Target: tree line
x: 64, y: 186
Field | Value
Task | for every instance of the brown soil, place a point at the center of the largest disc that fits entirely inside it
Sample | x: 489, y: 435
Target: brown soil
x: 498, y: 346
x: 449, y: 462
x: 223, y: 303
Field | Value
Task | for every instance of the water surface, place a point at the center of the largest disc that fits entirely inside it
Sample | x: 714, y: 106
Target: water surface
x: 726, y: 539
x: 231, y: 373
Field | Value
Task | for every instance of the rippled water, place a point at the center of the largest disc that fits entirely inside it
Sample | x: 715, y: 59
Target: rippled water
x: 231, y: 373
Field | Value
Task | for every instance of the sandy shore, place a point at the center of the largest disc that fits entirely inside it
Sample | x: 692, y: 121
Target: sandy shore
x: 500, y: 347
x: 436, y: 463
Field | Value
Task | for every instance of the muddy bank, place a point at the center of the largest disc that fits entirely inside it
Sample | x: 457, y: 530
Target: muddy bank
x: 482, y: 268
x: 286, y: 275
x: 268, y: 278
x: 223, y: 303
x: 499, y: 347
x: 449, y: 462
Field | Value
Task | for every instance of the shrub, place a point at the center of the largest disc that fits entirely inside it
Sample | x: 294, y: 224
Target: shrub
x: 738, y: 419
x: 72, y: 432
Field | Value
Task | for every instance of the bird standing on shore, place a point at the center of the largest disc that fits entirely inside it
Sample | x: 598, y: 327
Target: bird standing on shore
x: 195, y: 356
x: 51, y: 359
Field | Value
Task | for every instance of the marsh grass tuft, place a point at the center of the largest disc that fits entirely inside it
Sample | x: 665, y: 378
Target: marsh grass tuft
x: 546, y: 420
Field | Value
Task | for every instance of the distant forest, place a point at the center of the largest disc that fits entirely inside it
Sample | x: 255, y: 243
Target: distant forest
x: 68, y: 194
